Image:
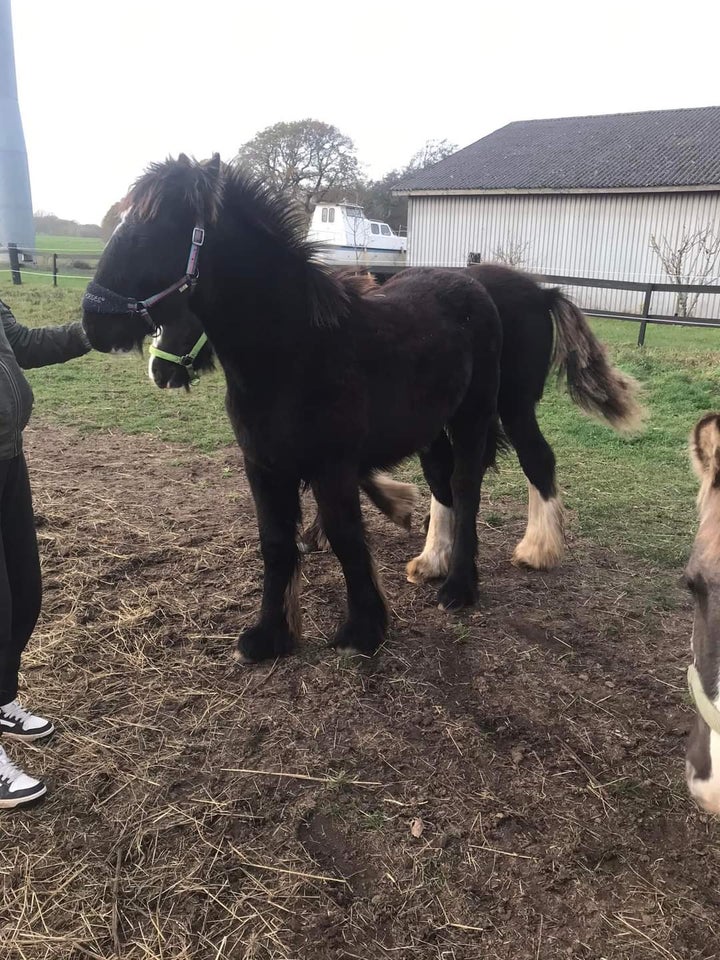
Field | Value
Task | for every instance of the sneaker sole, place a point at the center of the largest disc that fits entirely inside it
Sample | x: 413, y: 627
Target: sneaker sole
x: 28, y: 737
x: 13, y: 804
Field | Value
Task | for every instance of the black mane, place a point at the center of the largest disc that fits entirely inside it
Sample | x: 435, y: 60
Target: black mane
x: 210, y: 189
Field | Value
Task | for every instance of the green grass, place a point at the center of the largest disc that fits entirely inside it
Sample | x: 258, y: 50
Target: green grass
x: 48, y: 243
x: 638, y: 495
x: 634, y: 495
x: 100, y: 392
x: 68, y: 279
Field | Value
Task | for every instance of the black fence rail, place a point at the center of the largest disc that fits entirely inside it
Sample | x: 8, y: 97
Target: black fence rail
x: 648, y: 289
x: 80, y: 265
x: 53, y: 265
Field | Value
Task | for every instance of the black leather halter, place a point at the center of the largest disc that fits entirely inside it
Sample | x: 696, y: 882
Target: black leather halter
x: 99, y: 299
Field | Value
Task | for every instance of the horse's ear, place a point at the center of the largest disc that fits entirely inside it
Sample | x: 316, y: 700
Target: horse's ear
x: 211, y: 187
x: 705, y: 451
x: 213, y: 166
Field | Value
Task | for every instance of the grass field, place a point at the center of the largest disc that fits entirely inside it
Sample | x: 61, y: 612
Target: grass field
x: 632, y: 495
x: 47, y: 243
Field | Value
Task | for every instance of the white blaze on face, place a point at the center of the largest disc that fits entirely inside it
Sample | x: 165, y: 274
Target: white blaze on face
x: 434, y: 561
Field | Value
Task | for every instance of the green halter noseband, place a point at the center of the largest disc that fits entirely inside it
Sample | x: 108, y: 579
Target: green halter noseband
x: 705, y: 707
x: 187, y: 360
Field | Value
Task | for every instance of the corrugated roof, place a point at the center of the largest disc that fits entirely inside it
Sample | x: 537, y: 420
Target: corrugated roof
x: 659, y: 148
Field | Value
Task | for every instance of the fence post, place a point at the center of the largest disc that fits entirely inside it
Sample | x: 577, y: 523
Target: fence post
x: 14, y: 263
x: 54, y: 269
x: 645, y: 313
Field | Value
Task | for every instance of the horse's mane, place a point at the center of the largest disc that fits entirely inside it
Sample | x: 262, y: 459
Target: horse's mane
x: 209, y: 187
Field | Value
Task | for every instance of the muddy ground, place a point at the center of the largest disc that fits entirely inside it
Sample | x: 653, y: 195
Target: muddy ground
x: 507, y: 783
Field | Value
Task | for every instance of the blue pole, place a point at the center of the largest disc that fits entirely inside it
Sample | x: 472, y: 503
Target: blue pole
x: 16, y: 218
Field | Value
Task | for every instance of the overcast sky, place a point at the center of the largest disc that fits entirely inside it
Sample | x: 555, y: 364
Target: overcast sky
x: 106, y: 86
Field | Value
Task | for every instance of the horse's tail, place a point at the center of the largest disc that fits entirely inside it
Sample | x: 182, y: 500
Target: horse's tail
x: 593, y: 383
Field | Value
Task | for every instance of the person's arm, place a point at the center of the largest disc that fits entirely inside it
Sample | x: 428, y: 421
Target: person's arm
x: 41, y: 346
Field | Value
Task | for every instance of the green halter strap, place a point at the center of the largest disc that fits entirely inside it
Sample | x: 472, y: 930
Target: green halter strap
x: 187, y: 360
x: 705, y: 707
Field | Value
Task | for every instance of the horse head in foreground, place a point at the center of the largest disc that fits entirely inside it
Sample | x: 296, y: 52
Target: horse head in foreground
x: 329, y: 379
x: 180, y: 353
x: 702, y: 577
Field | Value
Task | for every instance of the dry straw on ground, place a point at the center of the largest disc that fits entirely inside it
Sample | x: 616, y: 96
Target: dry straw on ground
x: 199, y: 811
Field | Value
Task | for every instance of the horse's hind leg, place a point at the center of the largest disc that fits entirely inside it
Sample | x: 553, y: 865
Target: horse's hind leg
x: 469, y: 433
x: 434, y: 561
x: 277, y: 503
x: 543, y: 545
x: 313, y: 538
x: 336, y: 492
x: 392, y: 497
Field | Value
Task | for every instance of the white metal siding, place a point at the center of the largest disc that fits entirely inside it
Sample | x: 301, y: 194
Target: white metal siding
x: 583, y: 235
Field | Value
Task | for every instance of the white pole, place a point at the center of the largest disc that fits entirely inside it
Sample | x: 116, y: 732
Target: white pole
x: 16, y: 218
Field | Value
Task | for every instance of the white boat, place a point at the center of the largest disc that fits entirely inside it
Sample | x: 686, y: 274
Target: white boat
x: 345, y: 237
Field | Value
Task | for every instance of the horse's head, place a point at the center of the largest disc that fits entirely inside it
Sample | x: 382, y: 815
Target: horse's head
x: 703, y: 579
x: 148, y: 270
x: 180, y: 352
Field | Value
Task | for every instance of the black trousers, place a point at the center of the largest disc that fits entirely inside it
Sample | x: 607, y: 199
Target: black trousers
x: 20, y: 580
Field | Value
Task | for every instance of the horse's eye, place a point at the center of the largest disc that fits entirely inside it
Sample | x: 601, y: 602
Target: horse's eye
x: 695, y: 584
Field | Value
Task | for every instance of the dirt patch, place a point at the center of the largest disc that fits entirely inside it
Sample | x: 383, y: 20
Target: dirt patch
x: 201, y: 810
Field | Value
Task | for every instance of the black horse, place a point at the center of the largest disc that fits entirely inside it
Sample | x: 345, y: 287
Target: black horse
x: 542, y: 331
x: 328, y: 377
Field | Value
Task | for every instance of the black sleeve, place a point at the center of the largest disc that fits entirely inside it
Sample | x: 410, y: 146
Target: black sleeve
x: 41, y: 346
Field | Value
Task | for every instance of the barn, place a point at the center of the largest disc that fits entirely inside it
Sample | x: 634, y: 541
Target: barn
x: 623, y: 197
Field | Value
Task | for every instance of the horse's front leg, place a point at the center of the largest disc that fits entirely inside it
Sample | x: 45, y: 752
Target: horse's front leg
x: 336, y: 492
x: 277, y: 504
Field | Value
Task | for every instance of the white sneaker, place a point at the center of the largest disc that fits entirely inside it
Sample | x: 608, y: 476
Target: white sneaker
x: 16, y: 787
x: 19, y: 724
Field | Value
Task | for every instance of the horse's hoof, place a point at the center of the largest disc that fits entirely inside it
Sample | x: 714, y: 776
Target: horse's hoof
x: 429, y: 565
x: 456, y: 594
x: 530, y: 556
x: 262, y: 643
x: 358, y: 639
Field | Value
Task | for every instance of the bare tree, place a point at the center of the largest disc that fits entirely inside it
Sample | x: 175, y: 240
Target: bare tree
x: 512, y: 252
x: 111, y: 220
x: 376, y: 196
x: 306, y: 159
x: 432, y: 151
x: 691, y: 259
